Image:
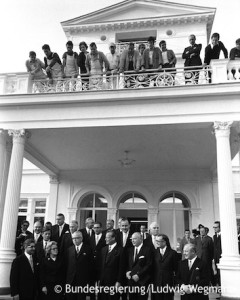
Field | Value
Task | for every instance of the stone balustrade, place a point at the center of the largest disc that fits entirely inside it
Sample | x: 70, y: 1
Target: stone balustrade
x: 220, y: 71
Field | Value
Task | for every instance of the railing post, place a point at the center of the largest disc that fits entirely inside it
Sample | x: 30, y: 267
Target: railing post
x: 219, y: 70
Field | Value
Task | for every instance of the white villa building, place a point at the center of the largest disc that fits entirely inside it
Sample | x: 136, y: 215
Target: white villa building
x: 151, y: 152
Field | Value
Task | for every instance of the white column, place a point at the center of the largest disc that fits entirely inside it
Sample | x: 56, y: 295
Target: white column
x: 3, y: 144
x: 230, y: 261
x: 112, y: 214
x: 10, y: 215
x: 52, y: 200
x: 153, y: 215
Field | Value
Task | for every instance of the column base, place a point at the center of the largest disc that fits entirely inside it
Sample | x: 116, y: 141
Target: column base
x: 5, y: 291
x: 230, y: 277
x: 6, y: 258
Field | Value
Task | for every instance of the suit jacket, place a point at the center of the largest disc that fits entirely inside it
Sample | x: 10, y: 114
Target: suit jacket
x: 148, y: 242
x: 141, y: 266
x: 40, y: 251
x: 205, y: 249
x: 164, y: 267
x: 40, y: 238
x: 156, y: 59
x: 217, y: 248
x: 23, y: 281
x: 55, y: 233
x: 51, y: 272
x: 97, y: 253
x: 214, y: 53
x: 86, y: 237
x: 119, y: 239
x: 124, y: 61
x: 171, y: 57
x: 20, y: 239
x: 66, y: 242
x: 195, y: 60
x: 197, y: 275
x: 79, y: 266
x: 112, y: 268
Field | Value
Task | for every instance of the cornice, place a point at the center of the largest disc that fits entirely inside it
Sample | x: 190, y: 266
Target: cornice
x: 205, y: 18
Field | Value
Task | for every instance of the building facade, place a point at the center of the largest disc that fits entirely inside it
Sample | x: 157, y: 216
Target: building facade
x: 158, y: 152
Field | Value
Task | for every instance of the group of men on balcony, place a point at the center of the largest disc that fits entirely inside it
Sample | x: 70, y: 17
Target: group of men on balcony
x: 96, y: 63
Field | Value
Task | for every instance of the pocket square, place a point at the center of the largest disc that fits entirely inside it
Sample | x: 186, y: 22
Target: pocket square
x: 84, y: 253
x: 141, y: 257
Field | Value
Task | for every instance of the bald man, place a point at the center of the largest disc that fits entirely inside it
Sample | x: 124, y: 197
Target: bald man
x: 79, y: 262
x: 139, y: 267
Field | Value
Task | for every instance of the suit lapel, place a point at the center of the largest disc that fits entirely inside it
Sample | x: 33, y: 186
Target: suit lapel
x: 166, y: 253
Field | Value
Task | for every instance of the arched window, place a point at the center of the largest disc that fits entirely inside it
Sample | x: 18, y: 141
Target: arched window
x: 174, y: 211
x: 133, y: 206
x: 93, y: 205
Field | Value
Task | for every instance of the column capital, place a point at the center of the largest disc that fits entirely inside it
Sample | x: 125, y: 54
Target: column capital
x: 223, y: 126
x: 53, y: 179
x: 19, y: 135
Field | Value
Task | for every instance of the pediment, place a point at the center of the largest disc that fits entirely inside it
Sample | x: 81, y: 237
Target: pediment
x: 131, y: 10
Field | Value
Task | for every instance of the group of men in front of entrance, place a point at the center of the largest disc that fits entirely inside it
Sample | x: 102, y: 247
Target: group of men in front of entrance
x: 67, y: 263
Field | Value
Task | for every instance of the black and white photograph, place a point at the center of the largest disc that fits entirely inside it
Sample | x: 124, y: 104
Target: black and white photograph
x: 120, y: 150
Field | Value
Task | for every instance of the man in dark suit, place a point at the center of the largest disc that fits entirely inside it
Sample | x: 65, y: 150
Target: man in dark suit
x: 212, y: 51
x: 40, y: 247
x: 112, y: 267
x: 109, y: 226
x: 67, y: 238
x: 37, y: 231
x: 23, y: 279
x: 192, y: 58
x: 59, y: 229
x: 79, y: 262
x: 22, y: 235
x: 143, y: 231
x: 124, y: 236
x: 97, y: 242
x: 217, y: 250
x: 88, y: 231
x: 150, y: 241
x: 192, y: 273
x: 204, y: 246
x: 139, y: 268
x: 165, y: 263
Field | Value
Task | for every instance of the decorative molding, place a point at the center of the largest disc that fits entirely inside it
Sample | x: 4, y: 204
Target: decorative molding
x: 22, y: 133
x: 222, y: 125
x: 54, y: 179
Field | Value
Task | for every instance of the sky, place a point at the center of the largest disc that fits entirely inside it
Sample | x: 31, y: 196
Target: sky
x: 26, y: 25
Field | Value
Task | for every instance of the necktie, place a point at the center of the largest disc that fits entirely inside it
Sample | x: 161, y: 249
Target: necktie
x: 97, y: 239
x: 45, y: 248
x: 90, y: 232
x: 31, y: 263
x: 60, y: 230
x: 77, y: 249
x: 189, y: 264
x: 135, y: 254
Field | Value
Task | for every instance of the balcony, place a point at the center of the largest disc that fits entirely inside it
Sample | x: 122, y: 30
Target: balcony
x: 221, y: 71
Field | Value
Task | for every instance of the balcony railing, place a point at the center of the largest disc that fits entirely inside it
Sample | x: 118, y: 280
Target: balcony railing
x: 220, y: 71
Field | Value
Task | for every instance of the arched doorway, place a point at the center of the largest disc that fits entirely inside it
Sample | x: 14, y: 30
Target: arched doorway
x: 174, y: 216
x: 92, y: 205
x: 133, y: 206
